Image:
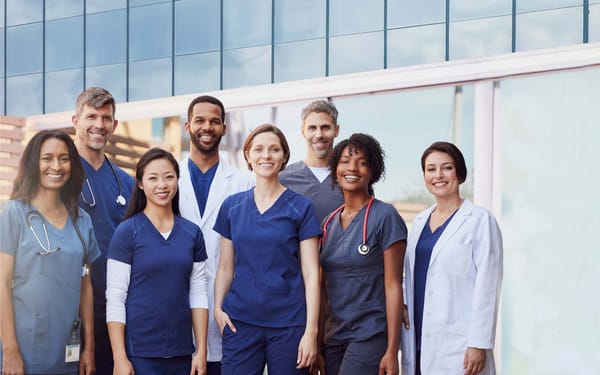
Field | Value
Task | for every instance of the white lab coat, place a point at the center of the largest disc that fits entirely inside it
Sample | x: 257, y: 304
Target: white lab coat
x: 227, y: 181
x: 461, y: 295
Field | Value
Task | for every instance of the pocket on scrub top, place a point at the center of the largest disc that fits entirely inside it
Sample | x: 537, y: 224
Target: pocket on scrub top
x: 458, y: 258
x: 39, y: 349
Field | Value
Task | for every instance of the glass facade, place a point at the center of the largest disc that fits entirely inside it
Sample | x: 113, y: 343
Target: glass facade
x: 550, y: 223
x: 189, y: 46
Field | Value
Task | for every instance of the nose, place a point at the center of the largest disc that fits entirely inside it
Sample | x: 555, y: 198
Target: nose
x: 55, y: 164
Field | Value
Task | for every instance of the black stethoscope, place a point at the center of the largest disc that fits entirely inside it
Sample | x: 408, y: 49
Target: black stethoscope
x: 363, y: 248
x: 47, y: 249
x: 121, y: 201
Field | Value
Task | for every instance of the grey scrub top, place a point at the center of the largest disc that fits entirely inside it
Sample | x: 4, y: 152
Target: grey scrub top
x: 355, y: 282
x: 46, y: 288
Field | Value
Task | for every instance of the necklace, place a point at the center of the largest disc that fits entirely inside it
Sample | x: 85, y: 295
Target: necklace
x: 53, y: 218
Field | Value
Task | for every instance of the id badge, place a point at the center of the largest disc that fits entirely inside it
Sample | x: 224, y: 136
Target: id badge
x: 72, y: 349
x: 72, y: 353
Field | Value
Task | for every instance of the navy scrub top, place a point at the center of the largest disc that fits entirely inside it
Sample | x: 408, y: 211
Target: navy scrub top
x: 267, y: 289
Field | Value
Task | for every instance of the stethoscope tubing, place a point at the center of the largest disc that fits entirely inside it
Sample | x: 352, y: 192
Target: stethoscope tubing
x: 121, y: 201
x: 363, y: 248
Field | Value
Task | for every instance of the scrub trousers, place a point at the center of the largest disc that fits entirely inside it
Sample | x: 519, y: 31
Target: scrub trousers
x: 355, y: 357
x: 251, y: 347
x: 162, y: 366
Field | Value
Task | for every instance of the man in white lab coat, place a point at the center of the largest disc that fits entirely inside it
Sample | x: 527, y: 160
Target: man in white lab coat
x: 205, y: 181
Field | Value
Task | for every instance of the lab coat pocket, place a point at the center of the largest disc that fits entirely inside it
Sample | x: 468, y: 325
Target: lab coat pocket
x: 458, y: 258
x: 455, y: 347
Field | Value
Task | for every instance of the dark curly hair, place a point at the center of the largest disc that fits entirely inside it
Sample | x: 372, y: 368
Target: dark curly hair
x: 373, y: 153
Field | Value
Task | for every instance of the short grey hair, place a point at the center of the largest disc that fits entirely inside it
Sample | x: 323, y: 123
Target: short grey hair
x: 321, y: 106
x: 96, y: 97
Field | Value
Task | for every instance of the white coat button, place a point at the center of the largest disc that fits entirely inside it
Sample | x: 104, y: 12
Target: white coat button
x: 427, y: 335
x: 431, y: 293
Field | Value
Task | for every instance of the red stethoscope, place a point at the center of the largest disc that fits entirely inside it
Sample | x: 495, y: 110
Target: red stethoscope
x: 363, y: 248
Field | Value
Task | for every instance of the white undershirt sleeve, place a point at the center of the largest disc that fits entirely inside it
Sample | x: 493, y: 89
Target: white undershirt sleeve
x: 198, y: 287
x: 117, y: 285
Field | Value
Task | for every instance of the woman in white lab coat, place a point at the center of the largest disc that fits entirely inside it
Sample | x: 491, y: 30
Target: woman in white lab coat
x: 453, y: 274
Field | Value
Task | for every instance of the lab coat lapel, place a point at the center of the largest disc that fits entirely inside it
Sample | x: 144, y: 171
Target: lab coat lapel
x: 417, y: 225
x: 187, y: 197
x: 219, y: 189
x: 455, y: 223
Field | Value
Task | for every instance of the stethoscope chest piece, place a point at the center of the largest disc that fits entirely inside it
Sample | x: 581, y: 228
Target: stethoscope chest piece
x: 363, y: 249
x: 121, y: 200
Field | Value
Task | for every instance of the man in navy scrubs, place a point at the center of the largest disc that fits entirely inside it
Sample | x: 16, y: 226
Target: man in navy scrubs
x: 105, y: 193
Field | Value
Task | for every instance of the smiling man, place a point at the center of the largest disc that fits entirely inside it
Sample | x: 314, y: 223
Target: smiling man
x: 205, y: 182
x: 311, y: 177
x: 105, y: 192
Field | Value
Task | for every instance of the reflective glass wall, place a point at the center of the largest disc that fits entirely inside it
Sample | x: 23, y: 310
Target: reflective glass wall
x: 143, y: 49
x: 550, y: 157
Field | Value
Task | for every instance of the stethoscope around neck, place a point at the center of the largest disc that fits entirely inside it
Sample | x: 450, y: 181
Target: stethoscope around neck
x: 363, y: 248
x: 47, y: 248
x: 121, y: 201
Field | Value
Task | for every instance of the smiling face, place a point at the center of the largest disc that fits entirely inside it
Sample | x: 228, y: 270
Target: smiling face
x: 94, y: 127
x: 55, y: 164
x: 352, y: 172
x: 159, y: 183
x: 265, y: 155
x: 319, y: 131
x: 205, y: 127
x: 440, y: 175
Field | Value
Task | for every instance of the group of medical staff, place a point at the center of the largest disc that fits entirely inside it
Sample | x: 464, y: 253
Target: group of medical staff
x: 342, y: 293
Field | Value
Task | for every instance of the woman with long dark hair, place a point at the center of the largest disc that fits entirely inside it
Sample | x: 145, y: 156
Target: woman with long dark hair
x: 156, y: 287
x: 46, y: 246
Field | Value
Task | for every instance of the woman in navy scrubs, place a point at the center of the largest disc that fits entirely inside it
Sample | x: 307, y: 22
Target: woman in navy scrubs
x: 453, y: 274
x: 267, y: 283
x: 156, y: 286
x: 362, y: 252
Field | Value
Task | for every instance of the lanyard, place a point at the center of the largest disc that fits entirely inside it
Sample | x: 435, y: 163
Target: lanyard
x: 363, y: 248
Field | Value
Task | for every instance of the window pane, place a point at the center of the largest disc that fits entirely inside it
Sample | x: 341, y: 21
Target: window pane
x: 356, y: 53
x: 246, y: 23
x: 192, y: 35
x: 479, y: 38
x: 93, y: 6
x: 299, y: 60
x: 134, y: 3
x: 24, y: 95
x: 150, y: 32
x: 409, y: 13
x: 64, y: 44
x: 111, y: 77
x: 246, y: 67
x: 196, y: 73
x: 416, y: 45
x: 529, y: 5
x: 594, y: 31
x: 2, y: 51
x: 63, y: 8
x: 149, y: 79
x: 550, y: 225
x: 24, y: 60
x: 62, y: 89
x: 298, y: 20
x: 355, y: 16
x: 552, y: 28
x: 106, y: 45
x: 471, y: 9
x: 24, y: 11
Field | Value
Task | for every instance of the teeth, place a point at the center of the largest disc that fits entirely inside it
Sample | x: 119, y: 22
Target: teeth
x: 351, y: 177
x: 52, y: 175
